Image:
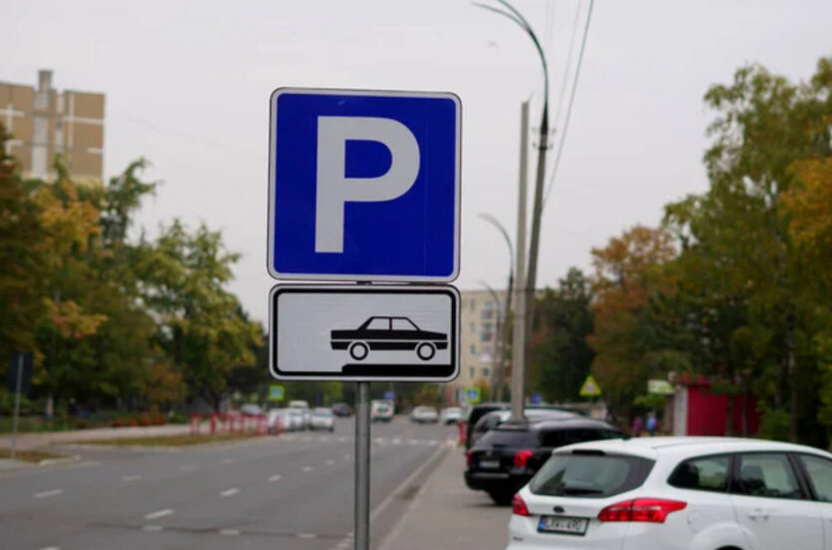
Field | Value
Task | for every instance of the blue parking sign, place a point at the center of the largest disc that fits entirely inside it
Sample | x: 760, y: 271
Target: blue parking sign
x: 364, y: 185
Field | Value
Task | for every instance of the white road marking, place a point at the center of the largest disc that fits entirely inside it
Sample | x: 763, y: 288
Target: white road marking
x: 275, y: 478
x: 307, y: 438
x: 307, y: 468
x: 379, y: 440
x: 131, y: 478
x: 229, y: 492
x: 413, y: 441
x: 325, y: 438
x: 230, y: 532
x: 307, y: 535
x: 228, y: 460
x: 433, y: 442
x: 51, y: 548
x: 342, y: 439
x: 159, y: 514
x: 154, y: 528
x: 50, y: 493
x: 330, y: 462
x: 397, y: 441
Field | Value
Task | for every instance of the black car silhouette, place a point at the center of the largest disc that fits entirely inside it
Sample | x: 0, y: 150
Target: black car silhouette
x: 389, y: 334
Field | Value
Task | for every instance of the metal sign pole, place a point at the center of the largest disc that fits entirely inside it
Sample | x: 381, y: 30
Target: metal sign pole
x: 17, y: 402
x: 362, y: 466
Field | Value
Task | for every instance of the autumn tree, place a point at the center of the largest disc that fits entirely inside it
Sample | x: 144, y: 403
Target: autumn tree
x: 629, y: 271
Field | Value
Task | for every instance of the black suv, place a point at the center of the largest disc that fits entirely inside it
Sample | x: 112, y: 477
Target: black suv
x: 507, y: 457
x: 478, y: 411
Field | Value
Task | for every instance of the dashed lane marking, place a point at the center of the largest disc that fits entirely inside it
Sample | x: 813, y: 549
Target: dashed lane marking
x: 230, y: 532
x: 50, y: 493
x: 159, y: 514
x: 131, y: 478
x: 153, y: 528
x: 307, y: 535
x: 307, y: 468
x: 330, y: 462
x: 275, y: 478
x: 229, y: 492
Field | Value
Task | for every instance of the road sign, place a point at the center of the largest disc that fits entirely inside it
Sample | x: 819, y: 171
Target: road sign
x: 590, y: 388
x: 660, y: 387
x: 472, y: 396
x: 536, y: 399
x: 275, y: 393
x: 364, y: 185
x: 389, y: 395
x: 362, y: 333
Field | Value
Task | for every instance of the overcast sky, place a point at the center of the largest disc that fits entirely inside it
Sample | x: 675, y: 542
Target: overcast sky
x: 188, y: 83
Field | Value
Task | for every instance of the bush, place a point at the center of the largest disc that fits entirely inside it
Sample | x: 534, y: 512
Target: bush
x: 774, y: 425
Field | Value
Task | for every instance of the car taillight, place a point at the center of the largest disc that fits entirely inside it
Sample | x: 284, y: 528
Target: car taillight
x: 650, y: 510
x: 469, y: 457
x: 521, y: 458
x: 518, y: 507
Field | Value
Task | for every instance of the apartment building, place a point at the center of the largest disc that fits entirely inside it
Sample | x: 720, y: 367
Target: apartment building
x: 481, y: 318
x: 45, y: 122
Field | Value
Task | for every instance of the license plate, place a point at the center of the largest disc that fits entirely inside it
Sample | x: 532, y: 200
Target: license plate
x: 562, y: 524
x: 489, y: 464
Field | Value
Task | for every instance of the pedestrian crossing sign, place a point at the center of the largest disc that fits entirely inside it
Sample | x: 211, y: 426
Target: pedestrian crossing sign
x: 472, y: 396
x: 275, y: 393
x: 590, y: 388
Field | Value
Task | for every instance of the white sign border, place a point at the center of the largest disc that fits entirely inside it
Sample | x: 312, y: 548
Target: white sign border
x: 455, y: 352
x: 353, y: 276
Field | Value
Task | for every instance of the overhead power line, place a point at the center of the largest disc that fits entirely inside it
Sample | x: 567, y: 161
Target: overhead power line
x: 569, y: 106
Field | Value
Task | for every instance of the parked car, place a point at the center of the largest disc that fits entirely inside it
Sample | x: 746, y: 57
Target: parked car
x: 342, y: 410
x: 389, y: 333
x: 322, y: 419
x: 297, y: 419
x: 250, y: 409
x: 424, y: 415
x: 278, y: 420
x: 507, y: 457
x: 303, y: 406
x: 381, y: 411
x: 695, y: 493
x: 495, y: 418
x: 478, y: 411
x: 450, y: 415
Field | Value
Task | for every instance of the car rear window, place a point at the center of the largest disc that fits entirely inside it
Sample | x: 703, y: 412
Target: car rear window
x: 590, y: 475
x: 555, y: 438
x: 508, y: 438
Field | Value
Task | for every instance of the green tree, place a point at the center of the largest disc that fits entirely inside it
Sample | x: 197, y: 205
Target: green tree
x: 561, y: 356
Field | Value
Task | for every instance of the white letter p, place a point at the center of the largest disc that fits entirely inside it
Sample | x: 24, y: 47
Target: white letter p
x: 334, y: 189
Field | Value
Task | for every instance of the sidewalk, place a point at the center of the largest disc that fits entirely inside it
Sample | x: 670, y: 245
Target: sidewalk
x: 446, y: 514
x: 28, y: 441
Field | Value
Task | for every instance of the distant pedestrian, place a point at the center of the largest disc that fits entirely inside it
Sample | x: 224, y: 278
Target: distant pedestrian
x: 652, y: 424
x: 638, y: 426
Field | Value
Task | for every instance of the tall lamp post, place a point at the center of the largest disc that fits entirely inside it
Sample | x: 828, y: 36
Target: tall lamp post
x: 528, y: 289
x: 503, y: 331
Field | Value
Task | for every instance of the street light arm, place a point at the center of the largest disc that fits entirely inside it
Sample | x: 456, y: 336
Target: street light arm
x: 501, y: 12
x: 496, y: 223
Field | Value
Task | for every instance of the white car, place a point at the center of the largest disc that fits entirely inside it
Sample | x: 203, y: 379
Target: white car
x: 306, y: 414
x: 450, y: 415
x: 280, y: 420
x: 424, y: 415
x: 381, y: 411
x: 692, y: 493
x: 322, y: 419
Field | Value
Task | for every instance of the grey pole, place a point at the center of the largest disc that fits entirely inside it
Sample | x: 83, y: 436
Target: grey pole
x: 362, y: 466
x: 17, y: 403
x: 518, y: 349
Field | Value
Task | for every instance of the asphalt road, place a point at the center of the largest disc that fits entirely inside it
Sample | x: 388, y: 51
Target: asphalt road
x: 293, y: 492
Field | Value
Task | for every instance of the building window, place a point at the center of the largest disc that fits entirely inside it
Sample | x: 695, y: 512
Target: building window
x: 486, y: 372
x: 473, y: 304
x: 473, y: 327
x: 471, y: 373
x: 486, y: 336
x: 473, y: 349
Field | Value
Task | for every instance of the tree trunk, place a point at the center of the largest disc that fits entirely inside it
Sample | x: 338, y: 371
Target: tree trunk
x: 791, y: 364
x: 744, y: 412
x: 729, y: 416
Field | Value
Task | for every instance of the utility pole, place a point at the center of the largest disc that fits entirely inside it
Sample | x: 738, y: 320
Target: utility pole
x: 518, y: 351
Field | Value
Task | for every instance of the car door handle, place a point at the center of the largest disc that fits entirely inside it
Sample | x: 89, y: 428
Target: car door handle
x: 758, y: 514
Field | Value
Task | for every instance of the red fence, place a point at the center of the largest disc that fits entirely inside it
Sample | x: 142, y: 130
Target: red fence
x: 231, y: 423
